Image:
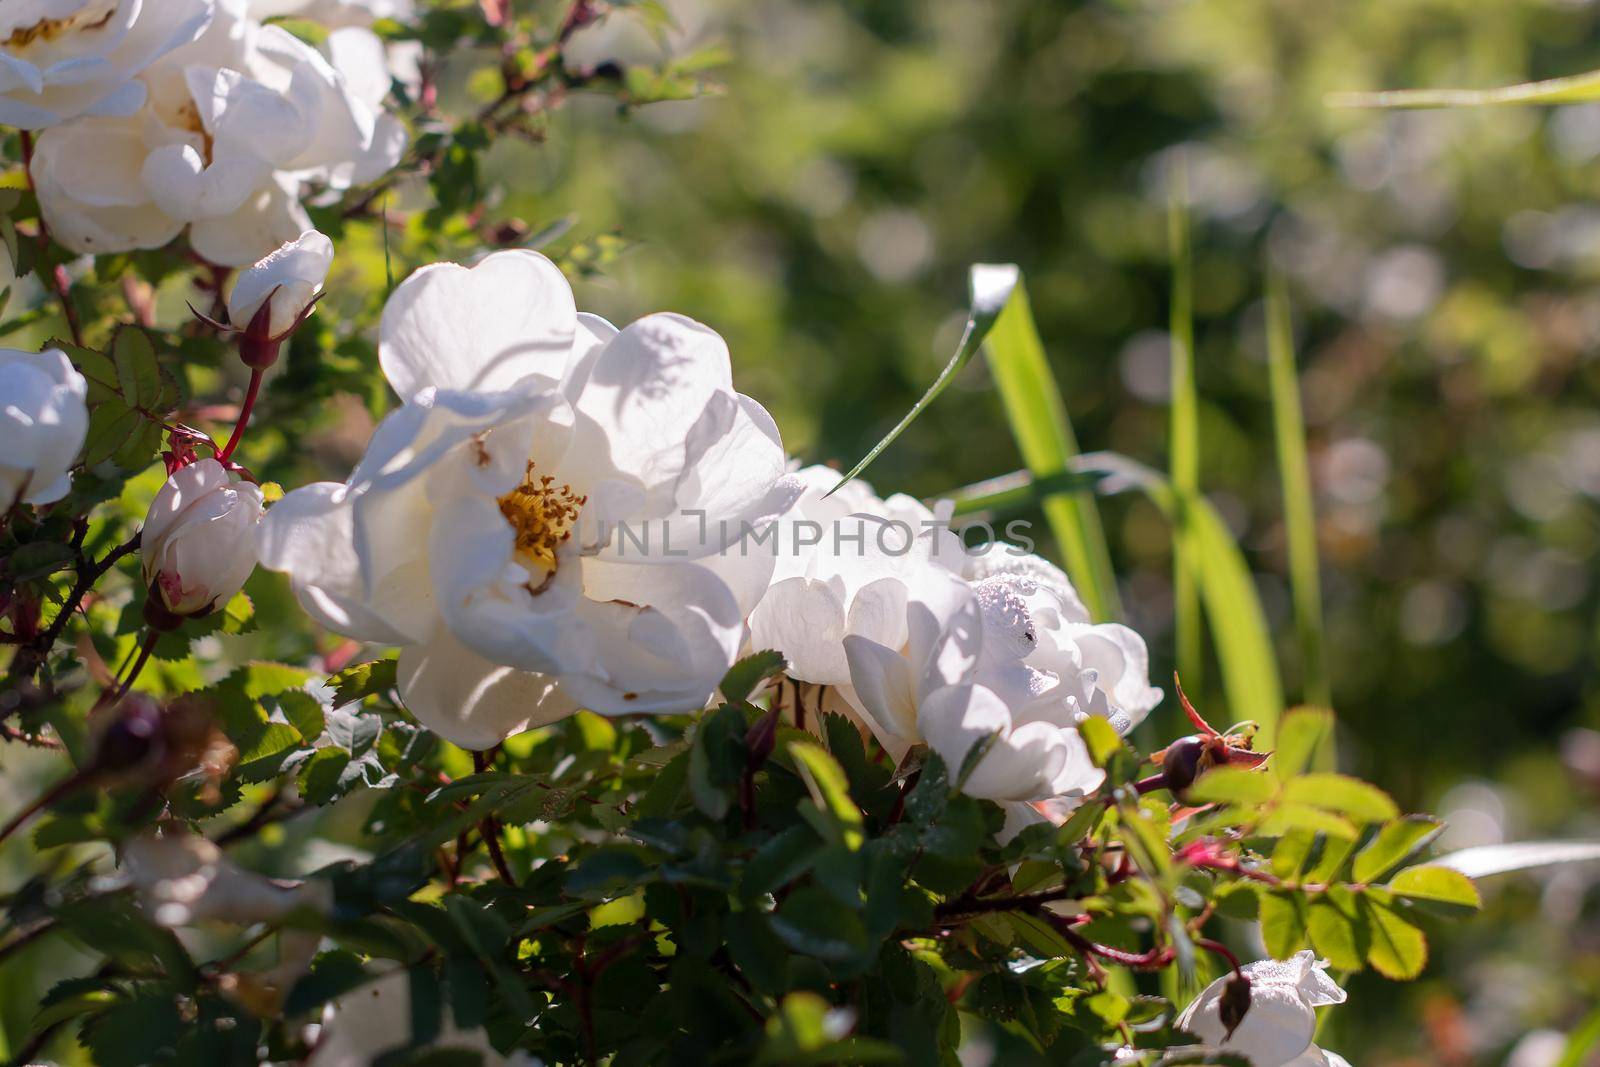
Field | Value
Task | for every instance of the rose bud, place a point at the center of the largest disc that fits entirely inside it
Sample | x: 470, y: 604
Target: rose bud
x: 1277, y: 1029
x: 273, y: 297
x: 42, y: 425
x: 199, y: 541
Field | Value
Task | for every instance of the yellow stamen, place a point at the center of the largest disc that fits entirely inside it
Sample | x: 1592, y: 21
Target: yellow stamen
x: 543, y: 514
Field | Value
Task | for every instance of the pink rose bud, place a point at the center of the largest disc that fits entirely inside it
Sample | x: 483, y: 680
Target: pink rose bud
x: 273, y: 297
x: 199, y: 540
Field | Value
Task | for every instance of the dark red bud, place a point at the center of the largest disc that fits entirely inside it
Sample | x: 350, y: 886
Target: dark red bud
x: 1235, y: 1002
x: 134, y: 738
x: 1183, y: 761
x: 761, y: 738
x: 157, y: 615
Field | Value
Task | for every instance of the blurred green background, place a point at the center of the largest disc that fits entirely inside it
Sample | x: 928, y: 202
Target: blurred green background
x: 822, y: 214
x: 1444, y: 267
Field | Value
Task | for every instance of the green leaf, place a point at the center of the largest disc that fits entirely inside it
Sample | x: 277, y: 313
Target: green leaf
x: 1183, y: 440
x: 1101, y: 739
x: 1287, y: 816
x: 780, y: 860
x: 1283, y: 923
x: 1573, y: 89
x: 363, y: 680
x: 1437, y: 885
x: 1398, y: 949
x: 1291, y: 852
x: 1299, y: 511
x: 1343, y: 794
x: 1300, y: 734
x: 1337, y: 929
x: 111, y: 426
x: 1238, y: 623
x: 814, y: 922
x: 1394, y: 842
x: 716, y: 760
x: 1043, y: 431
x: 138, y: 372
x: 743, y: 677
x: 826, y: 782
x: 1584, y: 1038
x: 1234, y: 785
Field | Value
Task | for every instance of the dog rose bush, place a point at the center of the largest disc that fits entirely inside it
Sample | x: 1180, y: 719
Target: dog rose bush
x: 563, y: 716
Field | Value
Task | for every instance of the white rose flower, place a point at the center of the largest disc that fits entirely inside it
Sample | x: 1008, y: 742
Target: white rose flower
x: 43, y: 420
x: 239, y: 125
x: 1009, y: 656
x: 1278, y: 1029
x: 66, y: 58
x: 1104, y: 668
x: 182, y: 879
x: 198, y: 543
x: 553, y: 519
x: 289, y: 278
x: 358, y: 1027
x: 844, y: 565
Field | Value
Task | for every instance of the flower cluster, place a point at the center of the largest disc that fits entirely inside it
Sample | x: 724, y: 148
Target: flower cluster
x: 566, y: 515
x: 192, y: 114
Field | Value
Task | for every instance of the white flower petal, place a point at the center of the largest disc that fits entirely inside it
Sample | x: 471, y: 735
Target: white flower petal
x: 486, y: 328
x: 471, y: 702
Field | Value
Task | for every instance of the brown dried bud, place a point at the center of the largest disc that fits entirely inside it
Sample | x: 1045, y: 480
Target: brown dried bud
x: 1235, y: 1002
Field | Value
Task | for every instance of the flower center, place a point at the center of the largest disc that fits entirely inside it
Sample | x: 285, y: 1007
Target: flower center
x: 542, y: 514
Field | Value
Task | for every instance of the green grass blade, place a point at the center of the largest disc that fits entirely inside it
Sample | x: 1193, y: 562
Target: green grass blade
x: 1239, y: 630
x: 1581, y: 1042
x: 1044, y: 436
x: 1573, y: 89
x: 1016, y: 490
x: 991, y: 285
x: 1184, y: 445
x: 1299, y: 512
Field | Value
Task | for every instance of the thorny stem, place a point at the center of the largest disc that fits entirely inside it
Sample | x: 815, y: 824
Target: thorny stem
x: 489, y: 828
x: 138, y: 666
x: 45, y: 799
x: 244, y: 416
x: 58, y: 277
x: 31, y: 659
x: 1222, y: 950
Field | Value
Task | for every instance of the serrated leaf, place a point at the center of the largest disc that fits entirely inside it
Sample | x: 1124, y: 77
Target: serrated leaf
x: 363, y: 680
x: 830, y: 792
x: 1436, y: 885
x: 1286, y: 817
x: 1343, y: 794
x: 1392, y: 844
x: 303, y: 713
x: 1283, y: 923
x: 744, y: 676
x: 138, y: 372
x: 1300, y: 733
x: 1398, y: 949
x: 1337, y: 929
x: 1291, y: 852
x: 1101, y: 739
x: 111, y: 425
x: 1234, y: 785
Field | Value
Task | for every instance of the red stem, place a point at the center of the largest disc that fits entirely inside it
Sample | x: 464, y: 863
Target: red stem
x: 58, y: 277
x: 244, y: 416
